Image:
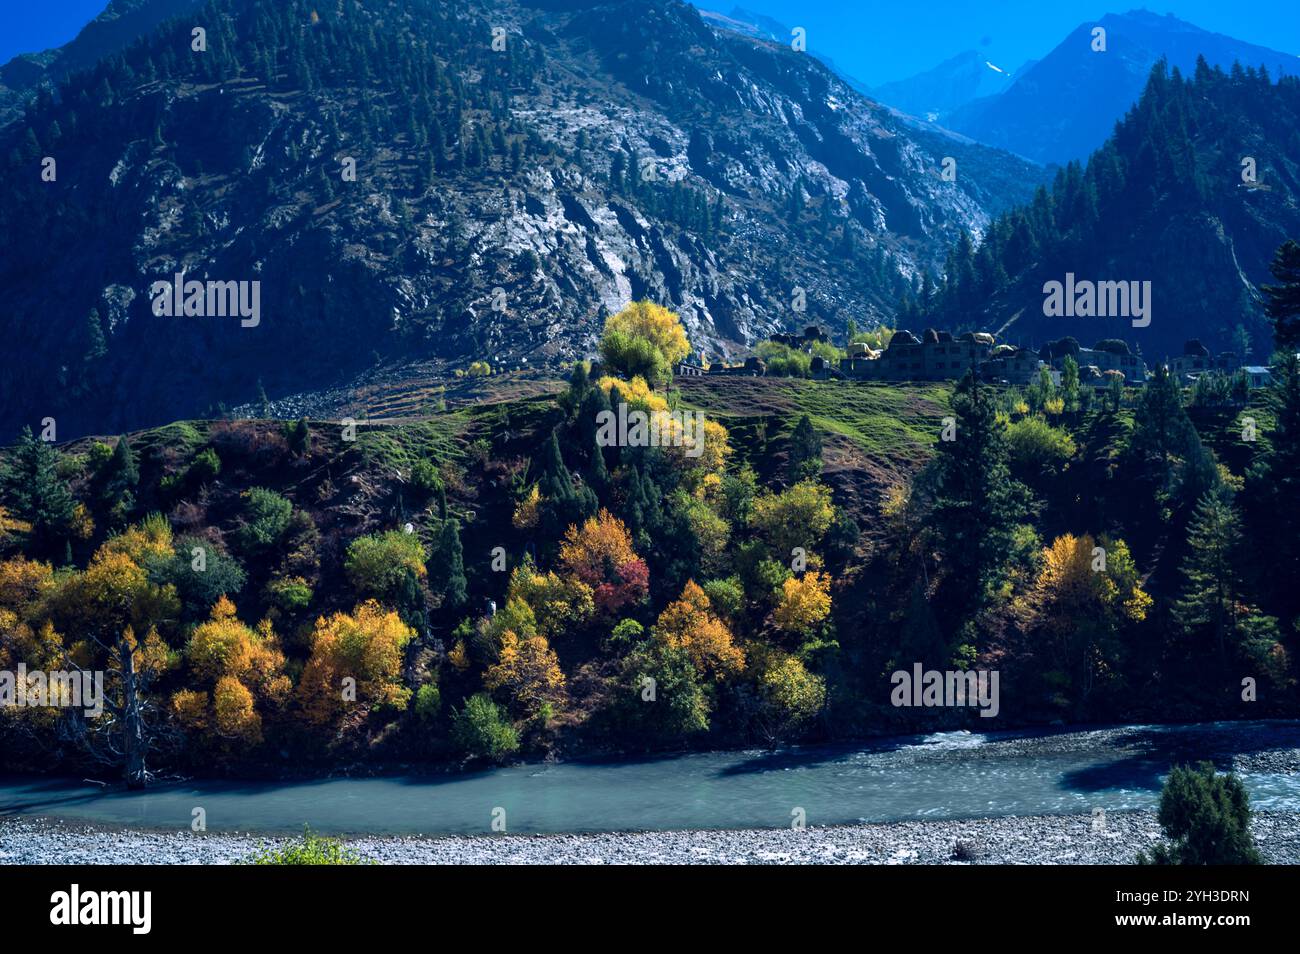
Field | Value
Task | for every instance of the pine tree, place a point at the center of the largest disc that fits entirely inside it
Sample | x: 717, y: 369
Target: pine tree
x: 1211, y: 595
x: 1282, y: 303
x: 805, y: 452
x: 447, y: 570
x: 35, y: 493
x: 1206, y: 818
x: 977, y: 504
x: 96, y: 345
x: 555, y: 483
x: 1271, y: 499
x: 118, y: 480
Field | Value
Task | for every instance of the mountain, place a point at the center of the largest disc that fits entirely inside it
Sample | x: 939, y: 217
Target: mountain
x: 1066, y: 104
x: 498, y: 209
x: 935, y: 93
x: 120, y: 24
x: 758, y: 26
x: 1169, y: 200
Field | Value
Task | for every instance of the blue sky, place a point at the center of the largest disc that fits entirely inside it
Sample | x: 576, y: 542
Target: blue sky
x: 872, y: 40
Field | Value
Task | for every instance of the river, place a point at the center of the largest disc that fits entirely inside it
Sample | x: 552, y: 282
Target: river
x: 943, y: 776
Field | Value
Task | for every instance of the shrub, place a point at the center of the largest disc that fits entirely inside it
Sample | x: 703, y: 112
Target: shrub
x: 481, y: 732
x: 626, y: 634
x: 376, y: 564
x: 1206, y: 818
x: 784, y: 361
x: 427, y: 701
x: 266, y: 518
x: 308, y: 850
x: 205, y: 466
x: 426, y: 478
x: 290, y: 594
x: 200, y: 578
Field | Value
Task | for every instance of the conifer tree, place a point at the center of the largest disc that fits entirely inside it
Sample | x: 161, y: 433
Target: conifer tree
x: 35, y: 493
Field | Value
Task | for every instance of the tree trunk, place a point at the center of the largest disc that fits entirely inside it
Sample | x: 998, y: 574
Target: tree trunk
x: 133, y: 740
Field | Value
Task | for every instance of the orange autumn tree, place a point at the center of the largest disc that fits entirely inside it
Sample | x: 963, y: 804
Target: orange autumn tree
x: 243, y: 666
x: 600, y: 555
x: 689, y: 623
x: 365, y: 645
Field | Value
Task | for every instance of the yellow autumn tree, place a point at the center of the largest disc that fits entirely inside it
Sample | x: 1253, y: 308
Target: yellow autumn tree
x: 366, y: 646
x: 599, y: 554
x: 233, y: 714
x: 152, y: 537
x: 239, y: 663
x: 794, y: 694
x: 527, y: 512
x: 1085, y: 593
x: 24, y: 583
x: 528, y: 670
x: 644, y: 339
x: 805, y: 601
x: 796, y: 517
x: 689, y: 623
x: 559, y: 604
x: 699, y: 455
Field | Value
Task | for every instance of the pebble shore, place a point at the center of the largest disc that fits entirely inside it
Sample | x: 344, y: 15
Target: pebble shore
x: 1035, y: 840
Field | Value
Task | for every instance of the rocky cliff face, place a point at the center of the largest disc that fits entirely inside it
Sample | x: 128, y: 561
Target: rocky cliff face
x: 505, y: 199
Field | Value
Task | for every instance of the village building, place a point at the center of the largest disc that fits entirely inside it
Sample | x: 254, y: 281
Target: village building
x: 1008, y: 364
x: 1197, y: 360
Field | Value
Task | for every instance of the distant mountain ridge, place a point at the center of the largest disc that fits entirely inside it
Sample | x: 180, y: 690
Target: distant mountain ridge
x: 1066, y: 104
x: 934, y: 94
x: 121, y: 23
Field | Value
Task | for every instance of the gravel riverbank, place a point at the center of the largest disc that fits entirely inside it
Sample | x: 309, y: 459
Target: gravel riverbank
x: 1069, y: 839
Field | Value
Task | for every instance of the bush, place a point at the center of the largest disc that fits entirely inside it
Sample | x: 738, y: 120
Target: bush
x: 291, y: 594
x: 1206, y: 818
x: 266, y: 518
x: 784, y: 361
x: 626, y: 634
x: 377, y: 564
x: 427, y: 701
x: 198, y: 589
x: 308, y: 850
x: 426, y: 478
x: 727, y: 597
x: 1037, y: 449
x: 481, y: 732
x: 205, y: 467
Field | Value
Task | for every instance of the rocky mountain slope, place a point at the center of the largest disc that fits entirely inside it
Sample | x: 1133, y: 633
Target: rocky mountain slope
x: 1066, y: 104
x: 504, y: 199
